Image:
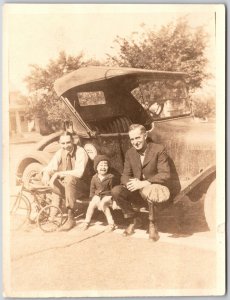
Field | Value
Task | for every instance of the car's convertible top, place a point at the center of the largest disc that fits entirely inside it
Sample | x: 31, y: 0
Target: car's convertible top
x: 93, y: 74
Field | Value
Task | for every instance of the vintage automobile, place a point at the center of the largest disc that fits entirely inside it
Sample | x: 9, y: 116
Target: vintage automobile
x: 102, y: 102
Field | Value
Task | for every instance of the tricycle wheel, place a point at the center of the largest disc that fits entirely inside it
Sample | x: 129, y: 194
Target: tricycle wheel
x: 19, y: 211
x: 49, y: 218
x: 210, y: 206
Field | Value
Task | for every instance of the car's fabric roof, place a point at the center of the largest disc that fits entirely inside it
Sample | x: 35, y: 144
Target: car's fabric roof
x: 92, y: 74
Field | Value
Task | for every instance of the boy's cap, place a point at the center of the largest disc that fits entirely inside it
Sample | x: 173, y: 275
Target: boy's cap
x: 100, y: 158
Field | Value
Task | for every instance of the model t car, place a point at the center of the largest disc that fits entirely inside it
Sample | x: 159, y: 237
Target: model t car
x: 102, y: 102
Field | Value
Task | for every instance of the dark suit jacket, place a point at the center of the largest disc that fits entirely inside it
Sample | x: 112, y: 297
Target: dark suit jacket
x: 155, y: 167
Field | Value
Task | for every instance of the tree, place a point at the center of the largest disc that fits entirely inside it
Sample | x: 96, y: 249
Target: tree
x: 204, y: 109
x: 44, y: 104
x: 174, y: 47
x: 203, y: 102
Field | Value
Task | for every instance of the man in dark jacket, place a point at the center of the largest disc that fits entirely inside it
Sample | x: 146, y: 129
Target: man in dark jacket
x: 145, y: 176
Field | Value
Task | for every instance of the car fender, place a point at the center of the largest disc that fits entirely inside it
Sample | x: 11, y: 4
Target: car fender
x: 198, y: 185
x: 48, y: 140
x: 41, y: 157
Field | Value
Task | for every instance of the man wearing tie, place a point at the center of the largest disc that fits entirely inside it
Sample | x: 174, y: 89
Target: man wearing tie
x: 69, y: 175
x: 145, y: 178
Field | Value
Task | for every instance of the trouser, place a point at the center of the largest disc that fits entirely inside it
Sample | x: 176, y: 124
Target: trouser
x: 71, y: 188
x: 149, y: 195
x: 101, y: 204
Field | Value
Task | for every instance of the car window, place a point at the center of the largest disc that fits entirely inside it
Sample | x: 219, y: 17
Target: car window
x: 163, y: 98
x: 91, y: 98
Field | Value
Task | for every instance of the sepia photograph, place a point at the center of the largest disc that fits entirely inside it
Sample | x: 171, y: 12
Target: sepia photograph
x: 113, y: 150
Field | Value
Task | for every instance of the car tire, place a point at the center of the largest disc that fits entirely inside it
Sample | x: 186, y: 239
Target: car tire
x: 31, y: 170
x: 210, y: 206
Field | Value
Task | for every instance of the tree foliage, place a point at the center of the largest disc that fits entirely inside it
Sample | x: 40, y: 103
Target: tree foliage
x: 43, y: 101
x: 204, y: 109
x: 203, y: 102
x: 174, y: 47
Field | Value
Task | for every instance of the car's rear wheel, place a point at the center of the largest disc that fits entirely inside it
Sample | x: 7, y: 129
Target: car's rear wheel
x: 210, y: 206
x: 30, y: 171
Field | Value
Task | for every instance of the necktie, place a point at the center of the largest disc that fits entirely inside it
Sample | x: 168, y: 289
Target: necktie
x: 68, y: 162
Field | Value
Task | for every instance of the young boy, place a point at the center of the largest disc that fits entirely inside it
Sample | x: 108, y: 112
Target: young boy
x: 100, y: 192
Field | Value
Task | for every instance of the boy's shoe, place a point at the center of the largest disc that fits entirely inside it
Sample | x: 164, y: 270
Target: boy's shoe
x: 110, y: 228
x: 84, y: 226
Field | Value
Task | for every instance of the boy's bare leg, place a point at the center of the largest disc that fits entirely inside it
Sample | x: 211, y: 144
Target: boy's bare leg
x: 91, y: 208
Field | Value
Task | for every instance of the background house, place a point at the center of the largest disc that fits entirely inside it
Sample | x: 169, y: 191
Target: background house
x: 19, y: 124
x: 17, y: 113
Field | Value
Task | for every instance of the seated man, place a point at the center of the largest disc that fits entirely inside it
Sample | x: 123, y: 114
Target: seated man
x: 68, y: 174
x: 145, y: 176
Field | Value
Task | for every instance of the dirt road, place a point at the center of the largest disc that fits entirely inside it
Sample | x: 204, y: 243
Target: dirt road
x: 94, y: 260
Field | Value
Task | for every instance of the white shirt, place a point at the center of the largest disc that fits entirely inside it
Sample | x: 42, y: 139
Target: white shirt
x: 142, y: 157
x: 81, y: 159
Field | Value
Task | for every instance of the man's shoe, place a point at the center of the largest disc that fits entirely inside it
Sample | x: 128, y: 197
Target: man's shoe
x: 129, y: 230
x: 69, y: 224
x: 136, y: 223
x: 153, y: 233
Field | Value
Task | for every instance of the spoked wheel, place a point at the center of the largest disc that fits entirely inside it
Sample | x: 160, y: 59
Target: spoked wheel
x: 19, y: 212
x: 50, y: 218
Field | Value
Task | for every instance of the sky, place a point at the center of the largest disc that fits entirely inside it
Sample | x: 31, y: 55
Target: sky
x: 34, y: 34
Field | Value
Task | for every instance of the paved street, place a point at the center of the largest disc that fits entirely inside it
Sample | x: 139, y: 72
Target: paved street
x: 76, y: 262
